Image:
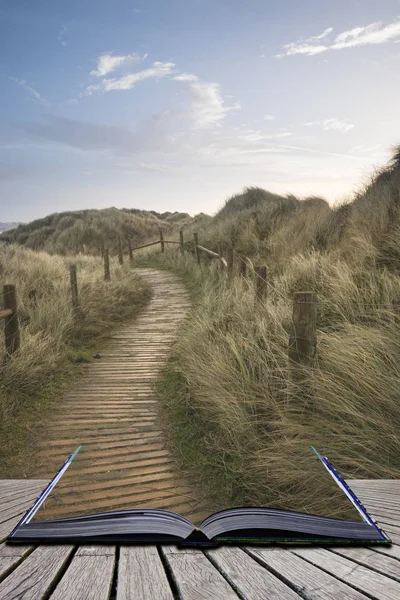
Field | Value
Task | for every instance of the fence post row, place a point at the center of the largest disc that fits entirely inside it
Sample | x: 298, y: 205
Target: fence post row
x: 162, y: 241
x: 181, y: 241
x: 11, y: 327
x: 196, y: 250
x: 120, y: 254
x: 303, y: 335
x: 261, y: 282
x: 74, y: 286
x: 107, y: 275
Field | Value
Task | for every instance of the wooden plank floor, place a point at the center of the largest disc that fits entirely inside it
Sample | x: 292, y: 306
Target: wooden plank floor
x: 112, y: 412
x: 226, y: 573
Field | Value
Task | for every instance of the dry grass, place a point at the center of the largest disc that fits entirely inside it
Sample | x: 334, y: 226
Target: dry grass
x: 235, y: 417
x: 54, y: 340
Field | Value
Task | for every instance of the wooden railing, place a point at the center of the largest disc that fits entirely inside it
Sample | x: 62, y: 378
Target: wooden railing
x: 302, y: 341
x: 302, y: 338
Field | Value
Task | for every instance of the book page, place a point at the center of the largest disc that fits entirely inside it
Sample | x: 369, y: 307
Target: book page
x: 85, y: 488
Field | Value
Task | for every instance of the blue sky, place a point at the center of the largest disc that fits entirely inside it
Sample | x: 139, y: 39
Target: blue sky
x: 177, y: 105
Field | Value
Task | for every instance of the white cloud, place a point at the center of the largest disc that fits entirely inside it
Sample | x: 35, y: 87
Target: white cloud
x: 207, y: 106
x: 372, y: 34
x: 127, y: 82
x: 269, y: 118
x: 332, y: 124
x: 106, y: 63
x: 31, y: 91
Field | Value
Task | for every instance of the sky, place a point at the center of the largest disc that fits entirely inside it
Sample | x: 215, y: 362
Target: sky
x: 178, y: 105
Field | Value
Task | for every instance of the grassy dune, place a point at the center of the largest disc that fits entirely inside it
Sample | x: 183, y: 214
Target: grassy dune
x: 234, y: 417
x: 54, y: 342
x: 87, y: 231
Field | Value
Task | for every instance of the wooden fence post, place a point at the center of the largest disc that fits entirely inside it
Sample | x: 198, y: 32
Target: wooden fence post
x: 220, y: 255
x: 74, y: 286
x: 303, y: 335
x: 261, y: 283
x: 11, y: 327
x: 120, y: 254
x: 162, y: 241
x: 130, y: 252
x: 229, y: 260
x: 196, y: 250
x: 181, y: 242
x: 102, y: 248
x: 107, y: 275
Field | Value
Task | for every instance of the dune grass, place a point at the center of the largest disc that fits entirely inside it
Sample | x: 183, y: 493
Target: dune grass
x: 237, y: 421
x: 55, y: 341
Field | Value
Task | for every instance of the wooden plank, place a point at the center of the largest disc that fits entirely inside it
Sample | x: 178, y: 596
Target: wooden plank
x: 393, y: 550
x: 10, y: 556
x: 141, y: 575
x: 36, y: 575
x: 362, y: 578
x: 369, y: 558
x: 246, y: 575
x: 195, y: 576
x: 89, y: 576
x: 307, y: 580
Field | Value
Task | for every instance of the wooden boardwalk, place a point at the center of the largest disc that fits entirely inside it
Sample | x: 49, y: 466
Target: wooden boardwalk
x: 112, y: 412
x: 66, y: 572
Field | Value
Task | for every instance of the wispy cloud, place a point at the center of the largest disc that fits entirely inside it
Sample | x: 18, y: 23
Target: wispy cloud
x: 332, y: 125
x: 127, y: 82
x: 64, y: 35
x: 35, y: 95
x: 186, y: 77
x: 107, y: 63
x: 372, y: 34
x: 269, y: 118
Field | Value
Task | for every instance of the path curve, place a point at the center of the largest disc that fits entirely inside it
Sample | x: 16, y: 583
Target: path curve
x: 112, y: 412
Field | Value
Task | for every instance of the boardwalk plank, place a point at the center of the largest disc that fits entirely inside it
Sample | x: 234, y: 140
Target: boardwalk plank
x: 307, y: 579
x: 352, y: 573
x: 36, y: 575
x: 141, y: 575
x: 196, y: 577
x: 248, y: 576
x: 89, y: 576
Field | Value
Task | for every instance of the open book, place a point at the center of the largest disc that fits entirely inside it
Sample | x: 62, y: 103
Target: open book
x: 249, y: 525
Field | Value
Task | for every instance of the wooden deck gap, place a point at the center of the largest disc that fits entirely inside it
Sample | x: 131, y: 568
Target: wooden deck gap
x: 169, y: 574
x: 369, y: 567
x: 12, y: 567
x: 342, y: 580
x: 278, y: 575
x: 225, y: 576
x: 114, y: 581
x: 59, y: 575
